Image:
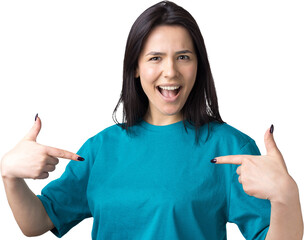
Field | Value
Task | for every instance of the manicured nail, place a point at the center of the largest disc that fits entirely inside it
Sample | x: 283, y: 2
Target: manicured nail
x: 271, y: 128
x: 80, y: 159
x: 213, y: 160
x: 36, y: 117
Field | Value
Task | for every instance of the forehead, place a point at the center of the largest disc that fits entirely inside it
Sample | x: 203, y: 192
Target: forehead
x: 165, y: 38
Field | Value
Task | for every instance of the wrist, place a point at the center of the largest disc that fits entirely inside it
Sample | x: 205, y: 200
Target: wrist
x: 4, y: 169
x: 287, y: 193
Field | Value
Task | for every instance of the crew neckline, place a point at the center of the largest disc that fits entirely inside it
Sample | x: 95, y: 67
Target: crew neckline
x: 162, y: 128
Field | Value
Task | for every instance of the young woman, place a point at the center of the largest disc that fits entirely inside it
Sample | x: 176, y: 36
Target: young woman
x: 151, y: 177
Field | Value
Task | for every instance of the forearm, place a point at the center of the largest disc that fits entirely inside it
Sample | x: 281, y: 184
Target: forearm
x: 286, y: 220
x: 26, y: 207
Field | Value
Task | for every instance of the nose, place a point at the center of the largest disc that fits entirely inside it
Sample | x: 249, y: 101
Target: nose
x: 170, y: 69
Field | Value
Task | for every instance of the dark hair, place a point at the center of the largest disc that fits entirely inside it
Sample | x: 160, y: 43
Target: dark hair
x: 201, y: 106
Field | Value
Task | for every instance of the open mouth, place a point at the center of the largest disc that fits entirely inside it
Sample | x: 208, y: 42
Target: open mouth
x: 169, y: 91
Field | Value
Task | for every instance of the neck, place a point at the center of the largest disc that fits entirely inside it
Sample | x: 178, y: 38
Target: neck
x: 163, y: 119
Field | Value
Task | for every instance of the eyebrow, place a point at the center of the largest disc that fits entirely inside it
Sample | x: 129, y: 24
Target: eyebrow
x: 153, y: 53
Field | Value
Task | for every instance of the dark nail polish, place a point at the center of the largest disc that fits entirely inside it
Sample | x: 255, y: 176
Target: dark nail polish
x: 36, y: 117
x: 213, y: 160
x: 80, y: 159
x: 271, y: 128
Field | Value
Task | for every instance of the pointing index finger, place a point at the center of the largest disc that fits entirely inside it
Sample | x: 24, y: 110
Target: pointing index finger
x: 60, y: 153
x: 229, y: 159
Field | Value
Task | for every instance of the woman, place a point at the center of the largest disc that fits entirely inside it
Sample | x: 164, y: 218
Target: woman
x: 151, y: 177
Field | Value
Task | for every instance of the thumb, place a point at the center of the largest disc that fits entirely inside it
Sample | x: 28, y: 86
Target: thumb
x: 271, y: 146
x: 33, y: 133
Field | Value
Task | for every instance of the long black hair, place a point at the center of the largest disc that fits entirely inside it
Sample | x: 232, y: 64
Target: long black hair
x: 201, y: 106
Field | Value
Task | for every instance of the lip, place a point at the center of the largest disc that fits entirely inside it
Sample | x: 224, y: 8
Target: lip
x: 169, y: 99
x: 168, y: 85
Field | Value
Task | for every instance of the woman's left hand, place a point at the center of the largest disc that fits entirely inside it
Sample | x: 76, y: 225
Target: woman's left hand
x: 266, y: 176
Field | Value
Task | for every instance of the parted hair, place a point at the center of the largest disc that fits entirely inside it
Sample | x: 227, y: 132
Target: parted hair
x: 201, y: 106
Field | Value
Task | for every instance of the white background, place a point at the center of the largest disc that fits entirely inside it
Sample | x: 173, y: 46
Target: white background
x: 63, y: 60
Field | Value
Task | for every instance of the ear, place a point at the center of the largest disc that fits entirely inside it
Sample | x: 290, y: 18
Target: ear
x: 136, y: 73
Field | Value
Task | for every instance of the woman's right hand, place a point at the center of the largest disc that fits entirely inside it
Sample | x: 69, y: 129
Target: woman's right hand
x: 29, y: 159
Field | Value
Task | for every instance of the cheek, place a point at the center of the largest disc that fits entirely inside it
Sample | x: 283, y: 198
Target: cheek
x: 147, y: 79
x: 148, y: 74
x: 193, y: 71
x: 191, y: 75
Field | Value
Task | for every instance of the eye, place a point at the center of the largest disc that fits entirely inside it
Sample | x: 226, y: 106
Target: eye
x: 154, y: 59
x: 183, y: 57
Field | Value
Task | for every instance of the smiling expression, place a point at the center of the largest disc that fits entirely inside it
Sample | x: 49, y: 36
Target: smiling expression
x: 167, y: 68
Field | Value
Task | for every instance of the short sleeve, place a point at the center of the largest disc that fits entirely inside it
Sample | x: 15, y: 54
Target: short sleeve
x: 252, y: 215
x: 65, y: 199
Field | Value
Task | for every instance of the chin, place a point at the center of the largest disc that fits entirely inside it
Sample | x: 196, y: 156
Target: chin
x: 171, y: 112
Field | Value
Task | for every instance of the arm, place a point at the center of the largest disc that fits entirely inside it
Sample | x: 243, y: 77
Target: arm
x: 28, y: 159
x: 286, y: 220
x: 26, y: 207
x: 266, y: 177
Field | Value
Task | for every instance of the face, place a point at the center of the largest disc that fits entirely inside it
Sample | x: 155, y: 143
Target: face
x: 167, y: 68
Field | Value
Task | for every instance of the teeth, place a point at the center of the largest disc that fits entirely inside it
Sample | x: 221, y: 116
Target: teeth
x: 169, y: 87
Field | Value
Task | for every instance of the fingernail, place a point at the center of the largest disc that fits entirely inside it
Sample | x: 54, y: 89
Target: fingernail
x: 271, y: 128
x: 80, y: 159
x: 36, y: 117
x: 213, y: 160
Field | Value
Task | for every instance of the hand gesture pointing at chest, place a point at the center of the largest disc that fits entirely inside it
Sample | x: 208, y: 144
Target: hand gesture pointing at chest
x: 264, y: 177
x: 29, y: 159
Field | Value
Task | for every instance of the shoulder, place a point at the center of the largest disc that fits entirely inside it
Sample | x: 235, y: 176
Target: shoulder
x: 107, y: 133
x: 229, y: 134
x: 230, y: 141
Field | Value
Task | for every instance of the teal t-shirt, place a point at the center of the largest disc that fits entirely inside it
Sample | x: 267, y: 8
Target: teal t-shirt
x: 157, y: 184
